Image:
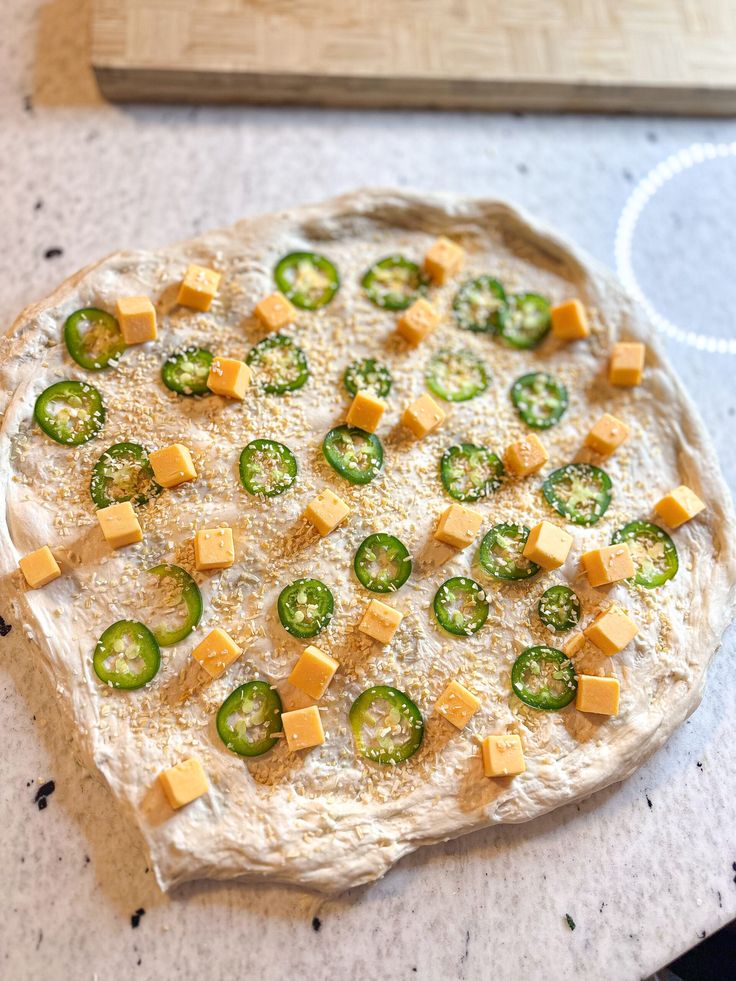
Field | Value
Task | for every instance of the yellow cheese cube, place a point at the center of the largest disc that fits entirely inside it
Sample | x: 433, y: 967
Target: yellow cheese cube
x: 303, y: 728
x: 679, y: 506
x: 607, y: 434
x: 573, y: 645
x: 525, y: 456
x: 502, y: 756
x: 275, y: 311
x: 198, y: 287
x: 548, y: 545
x: 380, y: 621
x: 326, y: 511
x: 627, y: 364
x: 214, y: 549
x: 608, y: 564
x: 229, y: 377
x: 365, y: 412
x: 184, y: 782
x: 597, y: 695
x: 172, y: 465
x: 216, y: 652
x: 423, y: 416
x: 39, y: 567
x: 120, y: 525
x: 444, y: 259
x: 137, y: 318
x: 458, y: 526
x: 313, y: 672
x: 570, y: 321
x: 417, y: 321
x: 612, y: 630
x: 457, y: 704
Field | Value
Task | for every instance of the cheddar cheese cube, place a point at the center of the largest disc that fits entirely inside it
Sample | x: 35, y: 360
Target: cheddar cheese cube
x: 120, y: 525
x: 597, y: 695
x: 608, y: 564
x: 40, y: 567
x: 275, y: 311
x: 417, y: 321
x: 444, y: 259
x: 679, y: 506
x: 216, y: 652
x: 380, y: 622
x: 303, y: 728
x: 457, y: 704
x: 525, y: 456
x: 570, y: 321
x: 573, y: 645
x: 137, y: 318
x: 214, y: 549
x: 611, y: 630
x: 458, y: 526
x: 502, y: 756
x: 548, y: 545
x: 198, y: 288
x: 326, y: 511
x: 229, y: 377
x: 423, y: 416
x: 172, y: 465
x: 365, y: 411
x: 607, y: 434
x: 184, y: 782
x: 627, y: 364
x: 313, y: 672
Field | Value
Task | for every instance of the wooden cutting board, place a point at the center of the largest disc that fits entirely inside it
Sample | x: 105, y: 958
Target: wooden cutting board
x: 674, y: 56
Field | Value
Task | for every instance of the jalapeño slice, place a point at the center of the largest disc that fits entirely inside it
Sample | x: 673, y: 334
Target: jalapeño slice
x: 249, y: 718
x: 280, y: 365
x: 175, y: 604
x: 544, y: 678
x: 526, y: 321
x: 267, y: 467
x: 580, y: 492
x: 470, y: 472
x: 382, y: 563
x: 305, y: 607
x: 652, y: 550
x: 501, y: 553
x: 460, y: 606
x: 387, y: 726
x: 70, y: 412
x: 123, y: 473
x: 456, y: 376
x: 368, y: 376
x: 93, y: 338
x: 127, y: 655
x: 186, y: 372
x: 307, y: 279
x: 394, y: 283
x: 354, y: 454
x: 559, y: 608
x: 539, y: 399
x: 480, y: 305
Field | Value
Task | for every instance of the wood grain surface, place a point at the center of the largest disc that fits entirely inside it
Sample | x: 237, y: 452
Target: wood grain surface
x: 674, y: 56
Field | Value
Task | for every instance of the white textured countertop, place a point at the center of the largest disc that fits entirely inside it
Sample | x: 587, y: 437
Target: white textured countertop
x: 644, y: 868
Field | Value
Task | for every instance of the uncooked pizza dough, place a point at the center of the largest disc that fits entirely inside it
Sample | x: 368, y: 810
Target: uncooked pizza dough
x: 327, y: 818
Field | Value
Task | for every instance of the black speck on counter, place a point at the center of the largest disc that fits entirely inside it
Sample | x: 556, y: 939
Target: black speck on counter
x: 627, y: 175
x: 53, y: 253
x: 38, y: 205
x: 43, y: 793
x: 316, y: 924
x: 522, y: 168
x: 652, y: 136
x: 28, y: 103
x: 734, y: 868
x: 701, y: 935
x: 570, y: 921
x: 649, y: 803
x: 5, y: 628
x: 136, y: 917
x: 699, y: 765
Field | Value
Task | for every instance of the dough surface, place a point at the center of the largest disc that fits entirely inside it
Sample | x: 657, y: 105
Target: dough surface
x: 327, y: 819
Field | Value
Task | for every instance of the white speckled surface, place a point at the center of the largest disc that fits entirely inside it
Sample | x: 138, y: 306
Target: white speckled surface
x: 641, y: 882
